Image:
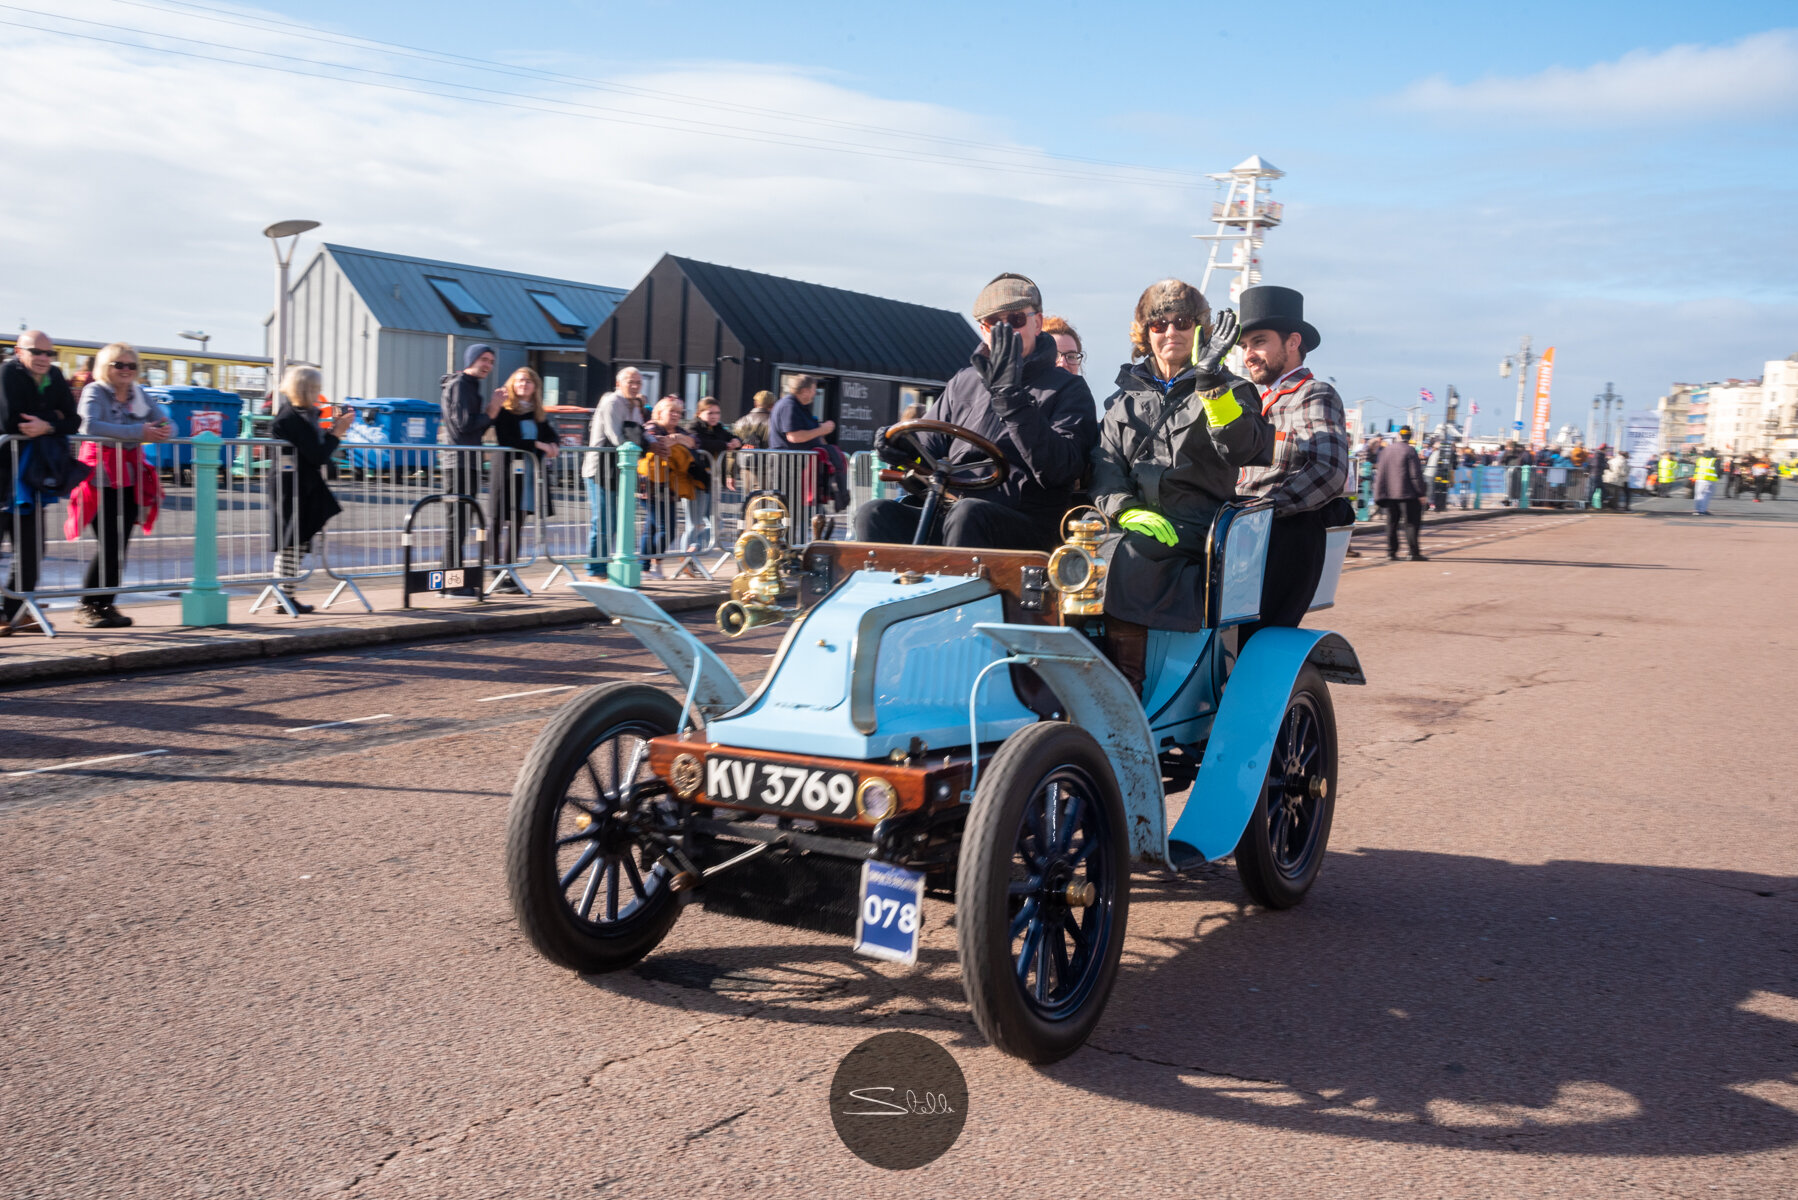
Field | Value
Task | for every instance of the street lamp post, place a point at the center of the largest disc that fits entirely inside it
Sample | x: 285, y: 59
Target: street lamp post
x: 278, y: 349
x: 1520, y: 364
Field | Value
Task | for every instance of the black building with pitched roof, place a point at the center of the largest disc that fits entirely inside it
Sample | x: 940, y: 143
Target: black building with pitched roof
x: 698, y: 329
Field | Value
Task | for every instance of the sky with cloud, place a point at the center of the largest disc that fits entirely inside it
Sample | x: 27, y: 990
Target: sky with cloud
x: 1615, y: 180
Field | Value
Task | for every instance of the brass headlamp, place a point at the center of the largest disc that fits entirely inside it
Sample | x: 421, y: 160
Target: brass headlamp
x: 1075, y: 569
x: 760, y: 549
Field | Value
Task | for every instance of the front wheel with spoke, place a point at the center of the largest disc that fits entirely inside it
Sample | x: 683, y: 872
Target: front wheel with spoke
x: 587, y: 883
x: 1042, y: 892
x: 1282, y: 849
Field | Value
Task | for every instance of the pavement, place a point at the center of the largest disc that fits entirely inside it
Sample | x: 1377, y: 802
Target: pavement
x: 1550, y: 953
x: 158, y: 640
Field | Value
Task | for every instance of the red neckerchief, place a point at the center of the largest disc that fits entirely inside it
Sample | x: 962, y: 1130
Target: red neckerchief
x: 1297, y: 380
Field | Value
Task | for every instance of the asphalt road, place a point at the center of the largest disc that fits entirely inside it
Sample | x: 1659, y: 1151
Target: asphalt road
x: 1552, y: 951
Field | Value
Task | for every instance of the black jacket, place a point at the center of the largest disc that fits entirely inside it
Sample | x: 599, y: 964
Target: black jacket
x: 508, y: 430
x: 1159, y: 450
x: 1047, y: 441
x: 19, y: 398
x: 303, y: 501
x: 465, y: 418
x: 715, y: 441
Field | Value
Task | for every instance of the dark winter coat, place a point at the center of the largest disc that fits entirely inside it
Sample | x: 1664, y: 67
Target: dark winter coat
x: 302, y: 501
x: 465, y: 418
x: 1399, y: 474
x: 715, y: 441
x: 508, y: 430
x: 20, y: 397
x: 1159, y: 450
x: 1047, y: 440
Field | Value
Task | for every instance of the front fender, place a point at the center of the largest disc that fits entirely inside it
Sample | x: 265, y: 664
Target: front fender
x: 1248, y: 720
x: 717, y: 689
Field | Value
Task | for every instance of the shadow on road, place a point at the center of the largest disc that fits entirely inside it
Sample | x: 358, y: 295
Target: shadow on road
x: 1563, y: 1008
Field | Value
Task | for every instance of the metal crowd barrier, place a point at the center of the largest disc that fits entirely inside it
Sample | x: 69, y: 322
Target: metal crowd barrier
x: 376, y: 486
x: 235, y: 514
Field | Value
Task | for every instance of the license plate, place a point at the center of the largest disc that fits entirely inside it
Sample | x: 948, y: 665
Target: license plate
x: 891, y: 912
x: 776, y: 787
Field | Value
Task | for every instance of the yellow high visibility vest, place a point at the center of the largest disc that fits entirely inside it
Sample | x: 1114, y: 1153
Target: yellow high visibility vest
x: 1666, y: 470
x: 1707, y: 470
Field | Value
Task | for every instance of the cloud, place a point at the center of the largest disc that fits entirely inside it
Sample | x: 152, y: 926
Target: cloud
x: 1756, y: 77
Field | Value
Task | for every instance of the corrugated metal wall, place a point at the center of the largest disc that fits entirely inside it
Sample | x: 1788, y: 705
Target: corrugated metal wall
x: 335, y: 330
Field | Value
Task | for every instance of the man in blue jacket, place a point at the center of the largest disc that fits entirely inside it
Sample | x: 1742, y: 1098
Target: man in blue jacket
x: 35, y: 402
x: 1013, y: 394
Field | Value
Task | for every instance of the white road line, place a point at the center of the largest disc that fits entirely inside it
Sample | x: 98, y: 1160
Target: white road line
x: 539, y: 692
x: 332, y: 724
x: 88, y: 762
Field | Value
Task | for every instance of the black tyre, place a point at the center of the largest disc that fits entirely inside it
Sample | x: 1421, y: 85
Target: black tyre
x: 1043, y: 892
x: 587, y: 888
x: 1283, y: 847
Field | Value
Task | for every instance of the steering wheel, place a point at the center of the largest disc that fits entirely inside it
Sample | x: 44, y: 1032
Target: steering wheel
x: 989, y: 472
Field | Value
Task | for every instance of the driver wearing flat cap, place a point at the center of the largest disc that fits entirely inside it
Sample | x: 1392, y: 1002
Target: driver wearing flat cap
x: 1013, y: 395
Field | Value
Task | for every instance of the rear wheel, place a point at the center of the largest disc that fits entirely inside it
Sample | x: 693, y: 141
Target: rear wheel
x: 1043, y: 892
x: 588, y: 887
x: 1283, y: 847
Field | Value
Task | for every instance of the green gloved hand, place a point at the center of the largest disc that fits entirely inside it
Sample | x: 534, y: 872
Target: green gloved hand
x: 1150, y: 524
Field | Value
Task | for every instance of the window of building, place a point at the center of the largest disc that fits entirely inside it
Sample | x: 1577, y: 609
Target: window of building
x: 561, y: 317
x: 694, y: 386
x: 463, y: 306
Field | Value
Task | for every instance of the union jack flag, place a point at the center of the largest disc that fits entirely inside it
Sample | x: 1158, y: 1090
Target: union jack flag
x: 1426, y: 395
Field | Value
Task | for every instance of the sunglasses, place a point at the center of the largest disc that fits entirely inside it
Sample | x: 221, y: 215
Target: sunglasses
x: 124, y: 366
x: 1017, y: 320
x: 38, y: 353
x: 1180, y: 323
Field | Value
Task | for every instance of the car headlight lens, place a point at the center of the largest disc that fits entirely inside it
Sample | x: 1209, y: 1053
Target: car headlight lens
x: 876, y: 799
x: 1070, y: 569
x: 754, y: 552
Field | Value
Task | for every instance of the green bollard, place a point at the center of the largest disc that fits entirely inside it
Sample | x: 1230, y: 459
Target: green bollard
x: 624, y: 569
x: 1523, y: 487
x: 204, y: 604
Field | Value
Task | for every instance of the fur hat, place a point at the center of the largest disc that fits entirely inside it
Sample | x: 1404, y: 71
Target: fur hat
x: 1168, y: 298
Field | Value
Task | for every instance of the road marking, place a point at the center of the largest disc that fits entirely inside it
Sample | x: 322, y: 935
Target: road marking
x: 88, y: 762
x: 332, y: 724
x: 539, y: 692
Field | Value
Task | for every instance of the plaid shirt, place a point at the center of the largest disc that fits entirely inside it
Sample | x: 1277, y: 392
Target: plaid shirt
x: 1311, y: 447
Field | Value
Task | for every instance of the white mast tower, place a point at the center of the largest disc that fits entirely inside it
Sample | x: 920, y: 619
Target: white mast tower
x: 1242, y: 218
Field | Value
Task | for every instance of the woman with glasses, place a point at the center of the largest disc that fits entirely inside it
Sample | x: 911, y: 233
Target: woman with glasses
x: 1174, y: 435
x: 1069, y: 355
x: 124, y: 491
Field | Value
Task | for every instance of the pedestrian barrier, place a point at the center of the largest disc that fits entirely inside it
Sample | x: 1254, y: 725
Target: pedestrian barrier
x: 444, y: 578
x: 377, y: 485
x: 216, y: 514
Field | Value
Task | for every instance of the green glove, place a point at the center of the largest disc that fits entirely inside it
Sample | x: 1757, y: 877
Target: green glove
x: 1221, y: 410
x: 1150, y: 524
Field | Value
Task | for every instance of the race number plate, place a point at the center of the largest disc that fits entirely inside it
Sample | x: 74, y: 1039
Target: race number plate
x: 775, y: 787
x: 892, y: 909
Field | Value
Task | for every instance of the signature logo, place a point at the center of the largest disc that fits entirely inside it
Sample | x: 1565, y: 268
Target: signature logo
x: 902, y: 1075
x: 932, y: 1104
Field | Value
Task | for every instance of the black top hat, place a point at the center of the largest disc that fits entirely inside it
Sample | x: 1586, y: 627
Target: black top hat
x: 1280, y: 309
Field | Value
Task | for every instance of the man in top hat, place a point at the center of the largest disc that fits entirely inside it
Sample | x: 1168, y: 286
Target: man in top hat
x: 1311, y: 450
x: 1013, y: 394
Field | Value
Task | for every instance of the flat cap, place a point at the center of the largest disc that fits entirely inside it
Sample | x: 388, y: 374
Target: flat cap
x: 1004, y: 294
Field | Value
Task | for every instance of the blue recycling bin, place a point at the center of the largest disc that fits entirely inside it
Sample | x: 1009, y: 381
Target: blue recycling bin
x: 217, y: 411
x: 411, y: 422
x: 370, y: 425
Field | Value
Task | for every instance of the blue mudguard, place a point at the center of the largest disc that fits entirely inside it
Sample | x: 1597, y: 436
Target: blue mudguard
x: 1248, y: 720
x: 716, y: 689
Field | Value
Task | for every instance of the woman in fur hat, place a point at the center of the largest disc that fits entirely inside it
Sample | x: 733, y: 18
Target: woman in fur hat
x: 1175, y: 432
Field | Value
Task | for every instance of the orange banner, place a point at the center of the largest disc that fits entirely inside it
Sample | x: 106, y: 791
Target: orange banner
x: 1545, y: 371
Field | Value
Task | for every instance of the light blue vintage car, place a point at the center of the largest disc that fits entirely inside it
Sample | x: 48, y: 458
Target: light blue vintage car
x: 937, y: 723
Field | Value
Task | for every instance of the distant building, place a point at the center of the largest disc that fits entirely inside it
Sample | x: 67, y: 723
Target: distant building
x: 698, y: 329
x: 382, y: 324
x: 1779, y: 386
x: 245, y: 374
x: 1734, y: 422
x: 1675, y: 410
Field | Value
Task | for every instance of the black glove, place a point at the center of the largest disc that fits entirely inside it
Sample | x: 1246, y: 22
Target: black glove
x: 1004, y: 370
x: 1210, y: 356
x: 897, y: 454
